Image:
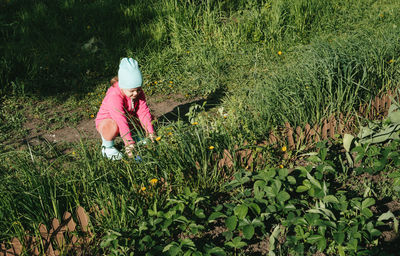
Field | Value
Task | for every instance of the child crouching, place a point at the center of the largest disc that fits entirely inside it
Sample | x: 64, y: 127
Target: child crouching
x: 124, y: 99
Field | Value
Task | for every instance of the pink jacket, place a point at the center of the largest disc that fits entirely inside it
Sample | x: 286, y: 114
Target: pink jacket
x: 118, y: 107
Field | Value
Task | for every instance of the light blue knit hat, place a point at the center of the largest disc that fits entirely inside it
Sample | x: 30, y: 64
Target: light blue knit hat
x: 129, y: 75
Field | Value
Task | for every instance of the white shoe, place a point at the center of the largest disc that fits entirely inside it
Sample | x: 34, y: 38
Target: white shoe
x: 111, y: 153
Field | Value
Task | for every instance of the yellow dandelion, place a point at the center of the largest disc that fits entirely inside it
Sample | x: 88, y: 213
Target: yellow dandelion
x: 73, y: 153
x: 170, y: 86
x: 195, y: 123
x: 279, y: 53
x: 143, y: 188
x: 280, y: 166
x: 211, y: 147
x: 155, y: 82
x: 171, y: 82
x: 158, y: 138
x: 284, y: 148
x: 153, y: 181
x: 91, y: 115
x: 188, y: 52
x: 170, y: 133
x: 225, y: 115
x: 391, y: 61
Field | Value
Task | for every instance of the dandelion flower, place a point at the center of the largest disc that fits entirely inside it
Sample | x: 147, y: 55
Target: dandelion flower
x: 153, y: 181
x: 155, y: 82
x: 170, y: 133
x: 281, y: 166
x: 195, y: 123
x: 279, y: 53
x: 211, y: 147
x: 143, y: 188
x: 158, y: 138
x: 284, y: 148
x: 92, y: 116
x: 73, y: 153
x: 225, y: 115
x: 171, y: 82
x: 391, y: 61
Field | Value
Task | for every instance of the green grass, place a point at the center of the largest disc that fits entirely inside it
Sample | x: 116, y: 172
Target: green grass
x: 58, y: 56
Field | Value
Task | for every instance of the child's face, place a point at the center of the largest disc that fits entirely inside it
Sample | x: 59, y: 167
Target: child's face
x: 132, y: 93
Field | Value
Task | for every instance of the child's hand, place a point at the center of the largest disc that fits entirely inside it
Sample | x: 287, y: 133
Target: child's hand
x: 152, y: 136
x: 129, y: 149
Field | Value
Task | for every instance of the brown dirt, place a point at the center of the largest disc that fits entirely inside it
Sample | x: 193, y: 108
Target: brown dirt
x: 159, y: 107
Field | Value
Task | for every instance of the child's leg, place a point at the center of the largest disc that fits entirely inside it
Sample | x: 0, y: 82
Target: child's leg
x: 108, y: 130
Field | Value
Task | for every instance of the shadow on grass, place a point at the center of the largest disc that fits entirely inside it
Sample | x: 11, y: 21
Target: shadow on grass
x: 63, y: 48
x: 179, y: 112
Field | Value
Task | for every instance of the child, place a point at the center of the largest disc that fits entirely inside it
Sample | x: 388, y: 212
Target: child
x: 124, y: 99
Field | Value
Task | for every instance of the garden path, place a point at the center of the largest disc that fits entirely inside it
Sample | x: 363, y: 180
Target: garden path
x: 162, y: 108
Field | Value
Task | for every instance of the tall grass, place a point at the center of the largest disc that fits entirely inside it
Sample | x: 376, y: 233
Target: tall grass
x: 42, y: 183
x: 314, y: 81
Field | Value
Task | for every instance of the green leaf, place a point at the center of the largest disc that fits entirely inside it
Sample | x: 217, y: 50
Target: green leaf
x: 367, y: 212
x: 248, y: 231
x: 276, y: 186
x: 330, y: 199
x: 283, y: 173
x: 257, y: 188
x: 321, y: 244
x: 347, y: 140
x: 385, y: 216
x: 241, y: 211
x: 231, y: 223
x: 187, y: 242
x: 217, y: 251
x: 375, y: 233
x: 283, y: 196
x: 387, y: 133
x: 291, y: 179
x: 389, y: 215
x: 255, y: 208
x: 269, y: 192
x: 301, y: 189
x: 367, y: 203
x: 215, y: 215
x: 341, y: 251
x: 172, y: 249
x: 314, y: 238
x: 228, y: 235
x: 314, y: 181
x: 200, y: 213
x: 237, y: 242
x: 339, y: 237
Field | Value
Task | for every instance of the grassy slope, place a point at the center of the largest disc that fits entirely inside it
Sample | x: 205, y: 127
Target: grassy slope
x: 334, y: 56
